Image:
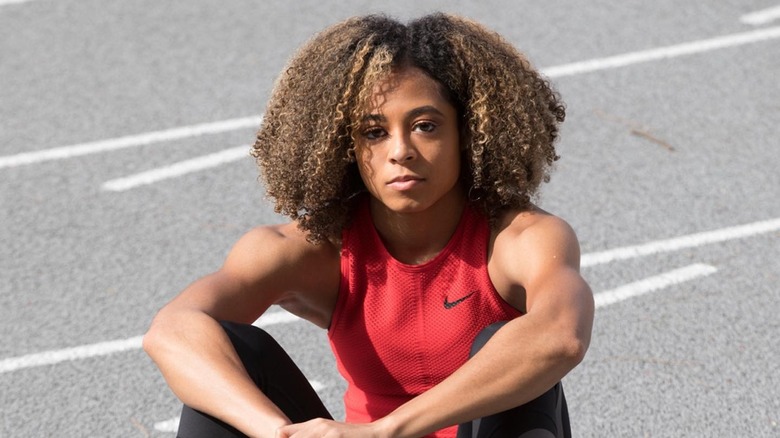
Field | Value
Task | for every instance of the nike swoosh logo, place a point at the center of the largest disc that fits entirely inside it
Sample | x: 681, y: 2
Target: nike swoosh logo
x: 451, y: 304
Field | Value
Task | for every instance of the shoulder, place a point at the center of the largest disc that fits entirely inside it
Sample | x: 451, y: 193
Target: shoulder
x: 287, y: 237
x: 529, y: 226
x: 280, y: 253
x: 278, y: 262
x: 530, y: 242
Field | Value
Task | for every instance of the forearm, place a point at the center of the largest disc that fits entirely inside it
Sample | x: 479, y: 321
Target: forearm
x: 519, y: 363
x: 202, y: 368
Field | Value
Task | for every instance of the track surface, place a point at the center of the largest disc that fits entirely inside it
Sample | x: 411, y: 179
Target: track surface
x: 680, y: 140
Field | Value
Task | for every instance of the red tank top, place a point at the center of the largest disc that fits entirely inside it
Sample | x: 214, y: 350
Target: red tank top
x: 397, y: 329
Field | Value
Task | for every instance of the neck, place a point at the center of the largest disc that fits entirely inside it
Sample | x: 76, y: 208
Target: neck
x: 415, y: 238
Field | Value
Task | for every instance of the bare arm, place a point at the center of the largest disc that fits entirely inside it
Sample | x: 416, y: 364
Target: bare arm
x: 529, y: 354
x: 193, y: 352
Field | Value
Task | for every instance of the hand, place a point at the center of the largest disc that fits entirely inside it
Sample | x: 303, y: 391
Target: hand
x: 322, y: 428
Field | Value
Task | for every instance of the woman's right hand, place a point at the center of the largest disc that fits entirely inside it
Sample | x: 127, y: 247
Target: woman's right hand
x: 192, y: 350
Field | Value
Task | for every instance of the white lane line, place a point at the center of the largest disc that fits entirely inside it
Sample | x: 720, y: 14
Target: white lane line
x: 177, y: 169
x: 682, y: 242
x: 69, y: 354
x: 106, y: 348
x: 553, y: 72
x: 652, y: 284
x: 172, y: 425
x: 113, y: 144
x: 110, y: 347
x: 662, y: 53
x: 254, y: 121
x: 11, y: 2
x: 281, y: 317
x: 763, y: 16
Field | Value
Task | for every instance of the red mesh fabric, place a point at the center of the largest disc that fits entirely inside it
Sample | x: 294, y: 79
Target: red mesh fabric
x: 398, y: 329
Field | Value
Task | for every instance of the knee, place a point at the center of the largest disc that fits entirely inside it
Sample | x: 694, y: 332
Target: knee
x: 484, y: 335
x: 248, y: 337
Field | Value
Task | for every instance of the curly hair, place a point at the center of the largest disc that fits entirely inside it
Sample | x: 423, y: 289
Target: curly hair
x: 508, y: 114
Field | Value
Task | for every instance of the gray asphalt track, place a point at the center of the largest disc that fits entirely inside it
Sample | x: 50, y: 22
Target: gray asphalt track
x: 650, y: 151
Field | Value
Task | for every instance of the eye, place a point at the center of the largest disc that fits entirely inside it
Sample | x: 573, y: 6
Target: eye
x: 425, y: 126
x: 374, y: 133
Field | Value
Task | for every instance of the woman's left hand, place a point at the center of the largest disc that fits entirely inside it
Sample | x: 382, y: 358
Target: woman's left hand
x: 322, y: 428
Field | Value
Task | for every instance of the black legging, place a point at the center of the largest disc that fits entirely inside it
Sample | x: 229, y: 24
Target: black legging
x: 281, y: 380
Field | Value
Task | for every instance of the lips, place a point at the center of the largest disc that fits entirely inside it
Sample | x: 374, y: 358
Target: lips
x: 404, y: 182
x: 404, y: 178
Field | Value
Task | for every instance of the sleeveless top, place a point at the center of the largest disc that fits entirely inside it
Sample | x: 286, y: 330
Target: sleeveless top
x: 397, y: 329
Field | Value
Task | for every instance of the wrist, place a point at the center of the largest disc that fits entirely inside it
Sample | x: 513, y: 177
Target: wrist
x: 265, y: 429
x: 388, y: 427
x: 259, y: 424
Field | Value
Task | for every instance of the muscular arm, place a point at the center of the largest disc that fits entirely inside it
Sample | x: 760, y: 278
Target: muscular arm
x: 529, y: 354
x: 194, y: 354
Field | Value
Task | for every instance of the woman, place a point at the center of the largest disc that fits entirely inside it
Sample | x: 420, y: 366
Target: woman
x: 406, y: 157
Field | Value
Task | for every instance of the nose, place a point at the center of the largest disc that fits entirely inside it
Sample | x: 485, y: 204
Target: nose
x: 402, y: 150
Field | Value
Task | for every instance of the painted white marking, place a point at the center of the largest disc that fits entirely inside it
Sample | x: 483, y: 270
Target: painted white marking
x: 172, y: 425
x: 110, y: 347
x: 70, y: 354
x: 11, y: 2
x: 689, y: 241
x: 662, y: 53
x: 273, y: 318
x: 682, y: 242
x: 113, y: 144
x: 652, y: 284
x: 317, y: 385
x: 763, y: 16
x: 227, y: 125
x: 552, y: 72
x: 177, y: 169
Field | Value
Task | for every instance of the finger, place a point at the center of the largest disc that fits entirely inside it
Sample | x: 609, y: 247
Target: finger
x: 288, y: 430
x: 284, y: 432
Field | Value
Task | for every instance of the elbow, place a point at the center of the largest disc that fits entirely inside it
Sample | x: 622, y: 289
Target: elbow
x: 575, y: 351
x: 150, y: 341
x: 155, y: 338
x: 571, y: 351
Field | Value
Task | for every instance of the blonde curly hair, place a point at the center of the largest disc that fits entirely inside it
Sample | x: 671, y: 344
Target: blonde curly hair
x: 508, y: 114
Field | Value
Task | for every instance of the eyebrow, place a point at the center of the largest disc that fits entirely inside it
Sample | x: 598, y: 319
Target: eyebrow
x: 426, y: 109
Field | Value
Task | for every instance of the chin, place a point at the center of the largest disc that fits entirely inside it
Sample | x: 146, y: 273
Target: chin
x: 403, y: 205
x: 406, y: 207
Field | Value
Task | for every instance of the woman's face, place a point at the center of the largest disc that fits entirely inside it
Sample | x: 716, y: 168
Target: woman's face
x: 407, y: 148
